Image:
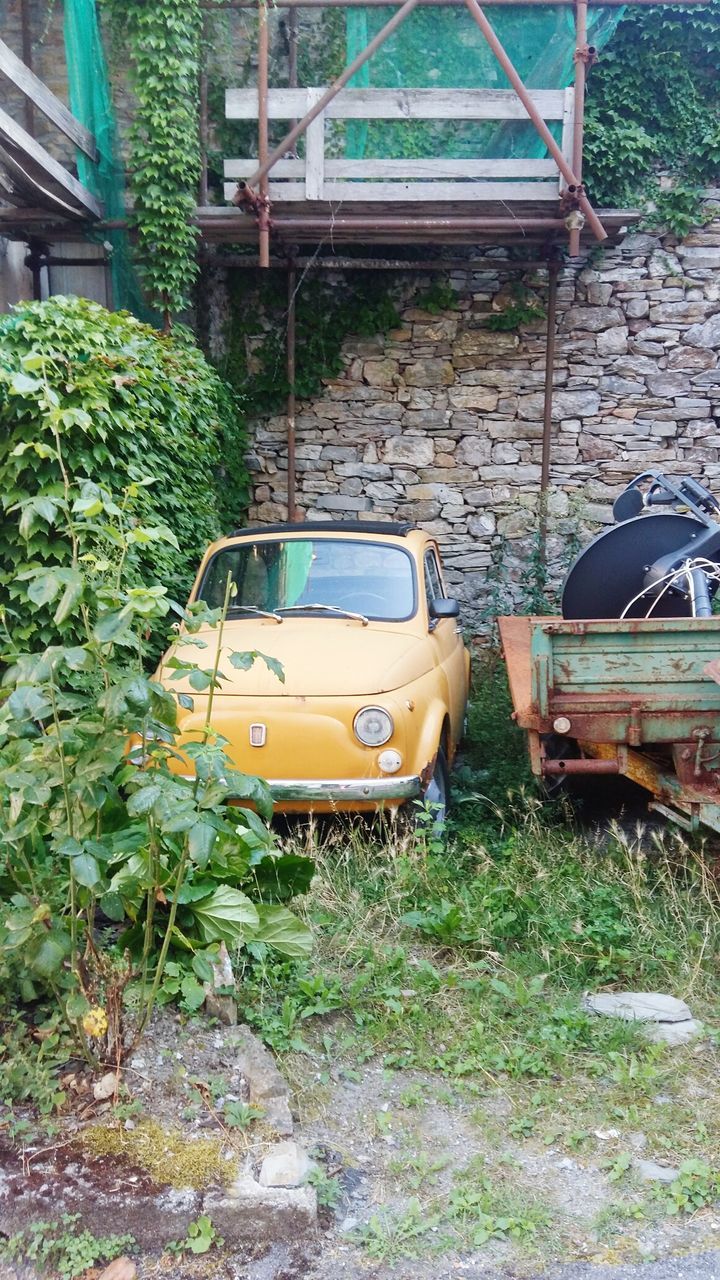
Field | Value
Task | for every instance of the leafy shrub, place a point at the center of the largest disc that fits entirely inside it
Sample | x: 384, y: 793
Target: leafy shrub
x: 128, y: 403
x: 105, y: 865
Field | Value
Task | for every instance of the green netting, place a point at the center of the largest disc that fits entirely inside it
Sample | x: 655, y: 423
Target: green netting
x: 91, y: 103
x: 444, y: 48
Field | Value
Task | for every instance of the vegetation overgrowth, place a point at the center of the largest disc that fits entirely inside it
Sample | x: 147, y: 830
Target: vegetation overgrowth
x: 109, y: 870
x: 129, y: 403
x: 654, y: 107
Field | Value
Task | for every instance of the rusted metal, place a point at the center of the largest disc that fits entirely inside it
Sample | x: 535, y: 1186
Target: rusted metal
x: 35, y: 260
x: 263, y: 80
x: 290, y: 347
x: 250, y: 262
x: 215, y: 5
x: 579, y: 108
x: 571, y: 178
x: 331, y: 92
x: 361, y: 222
x: 292, y: 31
x: 581, y: 766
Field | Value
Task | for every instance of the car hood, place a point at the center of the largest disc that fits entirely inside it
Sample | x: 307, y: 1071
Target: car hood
x: 319, y: 656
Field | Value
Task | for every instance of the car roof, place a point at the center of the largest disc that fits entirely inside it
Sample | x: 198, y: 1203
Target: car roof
x: 389, y: 528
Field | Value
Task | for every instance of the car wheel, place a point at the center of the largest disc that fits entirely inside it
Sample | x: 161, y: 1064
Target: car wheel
x: 431, y: 810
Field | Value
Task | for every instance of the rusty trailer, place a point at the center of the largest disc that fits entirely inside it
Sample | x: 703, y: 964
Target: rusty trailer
x: 634, y: 697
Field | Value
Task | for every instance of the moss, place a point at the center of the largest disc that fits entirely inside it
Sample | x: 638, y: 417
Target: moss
x: 166, y: 1155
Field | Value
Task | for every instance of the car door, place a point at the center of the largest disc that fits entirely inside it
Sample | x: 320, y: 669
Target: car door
x: 446, y: 634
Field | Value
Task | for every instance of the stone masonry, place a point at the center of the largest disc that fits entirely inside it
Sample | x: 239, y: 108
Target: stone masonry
x: 440, y: 420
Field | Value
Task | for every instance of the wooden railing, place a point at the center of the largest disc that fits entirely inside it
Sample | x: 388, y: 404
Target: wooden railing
x: 28, y: 164
x: 318, y: 177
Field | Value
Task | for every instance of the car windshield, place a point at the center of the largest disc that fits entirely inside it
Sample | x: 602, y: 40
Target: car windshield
x: 370, y: 578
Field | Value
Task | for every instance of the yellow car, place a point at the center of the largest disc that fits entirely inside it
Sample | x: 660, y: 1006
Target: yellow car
x: 376, y: 674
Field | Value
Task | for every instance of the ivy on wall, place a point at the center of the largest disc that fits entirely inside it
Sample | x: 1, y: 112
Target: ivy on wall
x: 325, y: 314
x: 654, y: 106
x: 161, y: 41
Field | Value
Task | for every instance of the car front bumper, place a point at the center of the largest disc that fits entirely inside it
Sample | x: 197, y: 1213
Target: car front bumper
x: 341, y: 790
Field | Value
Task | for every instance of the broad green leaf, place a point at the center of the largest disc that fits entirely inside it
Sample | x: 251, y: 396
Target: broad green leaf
x: 226, y: 916
x: 86, y: 870
x: 199, y: 680
x: 201, y: 839
x: 142, y: 801
x: 76, y: 1005
x: 71, y: 596
x: 43, y: 589
x: 280, y: 929
x: 137, y: 692
x: 50, y: 954
x: 22, y: 385
x: 202, y: 967
x: 242, y: 661
x: 111, y: 625
x: 77, y: 658
x: 192, y: 993
x: 273, y: 665
x: 29, y: 703
x: 111, y: 906
x: 194, y: 891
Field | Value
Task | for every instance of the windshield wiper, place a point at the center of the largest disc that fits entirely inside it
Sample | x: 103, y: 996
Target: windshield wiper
x: 326, y: 608
x: 250, y: 608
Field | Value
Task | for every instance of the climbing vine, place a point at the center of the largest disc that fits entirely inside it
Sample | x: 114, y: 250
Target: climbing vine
x: 161, y: 41
x: 325, y: 315
x: 654, y: 106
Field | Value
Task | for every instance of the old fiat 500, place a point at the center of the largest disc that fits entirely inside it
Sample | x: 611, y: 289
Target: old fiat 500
x: 372, y: 704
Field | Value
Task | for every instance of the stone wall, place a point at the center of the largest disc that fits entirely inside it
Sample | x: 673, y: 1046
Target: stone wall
x: 440, y: 420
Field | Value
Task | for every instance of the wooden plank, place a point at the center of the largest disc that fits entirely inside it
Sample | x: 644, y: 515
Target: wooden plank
x: 394, y: 191
x: 277, y: 191
x: 566, y: 141
x: 17, y: 137
x: 413, y: 192
x: 51, y: 106
x: 281, y: 168
x: 433, y: 168
x: 25, y: 183
x: 399, y: 104
x: 314, y: 150
x: 430, y: 168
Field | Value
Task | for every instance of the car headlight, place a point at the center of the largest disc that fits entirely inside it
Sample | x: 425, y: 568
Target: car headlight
x: 373, y: 726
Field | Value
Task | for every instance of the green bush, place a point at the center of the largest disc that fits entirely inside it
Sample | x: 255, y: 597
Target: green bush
x: 129, y: 403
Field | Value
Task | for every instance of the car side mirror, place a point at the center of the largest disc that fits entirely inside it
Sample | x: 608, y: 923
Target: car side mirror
x: 444, y: 608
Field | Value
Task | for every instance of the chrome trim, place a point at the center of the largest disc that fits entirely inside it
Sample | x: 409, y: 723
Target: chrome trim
x: 337, y: 789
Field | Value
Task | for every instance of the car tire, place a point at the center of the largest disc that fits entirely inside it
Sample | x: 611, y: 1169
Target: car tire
x: 432, y: 808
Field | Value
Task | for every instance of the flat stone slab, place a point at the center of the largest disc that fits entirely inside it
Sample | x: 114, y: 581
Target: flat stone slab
x: 673, y: 1033
x: 650, y: 1171
x: 638, y: 1006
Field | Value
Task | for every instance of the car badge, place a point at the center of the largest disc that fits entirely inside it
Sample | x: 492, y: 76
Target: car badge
x: 258, y: 735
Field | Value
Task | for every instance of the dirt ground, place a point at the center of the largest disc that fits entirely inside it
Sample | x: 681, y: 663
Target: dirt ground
x: 393, y: 1148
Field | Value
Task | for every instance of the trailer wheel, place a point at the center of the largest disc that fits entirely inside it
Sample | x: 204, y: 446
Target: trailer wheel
x: 556, y: 747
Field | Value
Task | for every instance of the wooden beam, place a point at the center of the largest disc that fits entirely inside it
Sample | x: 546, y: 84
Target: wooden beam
x: 23, y: 181
x: 28, y: 83
x: 392, y: 192
x: 400, y: 104
x: 430, y: 168
x: 13, y: 134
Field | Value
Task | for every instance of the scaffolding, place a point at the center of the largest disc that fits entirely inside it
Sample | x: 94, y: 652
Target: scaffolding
x: 282, y: 202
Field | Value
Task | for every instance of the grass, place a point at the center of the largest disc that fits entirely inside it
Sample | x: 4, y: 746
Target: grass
x: 459, y: 971
x: 467, y: 965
